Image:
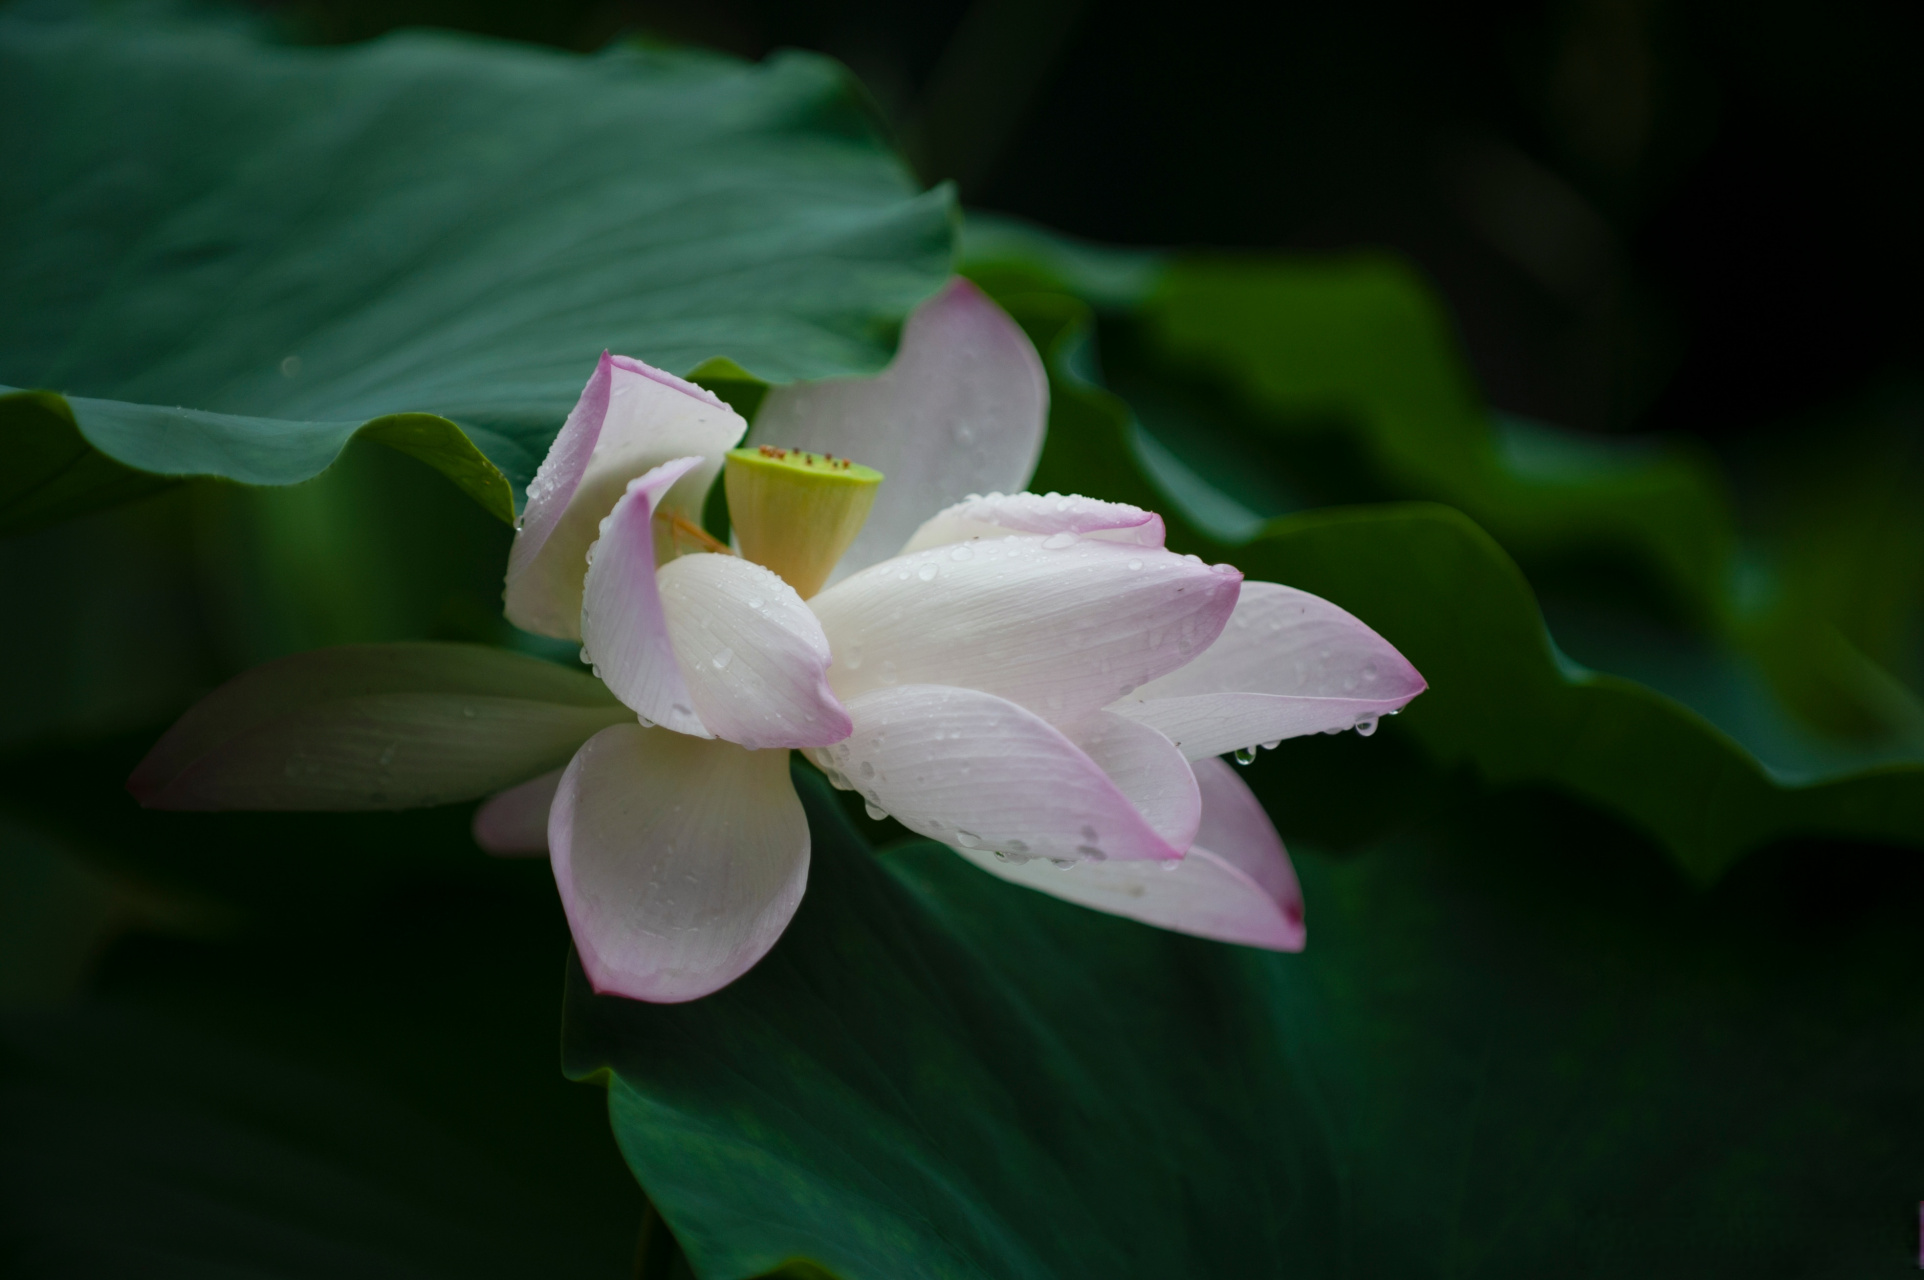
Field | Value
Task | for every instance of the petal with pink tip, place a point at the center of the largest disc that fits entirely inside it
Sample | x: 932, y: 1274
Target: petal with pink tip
x: 1063, y: 625
x: 624, y: 629
x: 752, y: 654
x: 631, y: 419
x: 514, y: 823
x: 1234, y: 885
x: 960, y: 410
x: 680, y: 860
x: 1043, y: 513
x: 1288, y: 663
x: 975, y: 770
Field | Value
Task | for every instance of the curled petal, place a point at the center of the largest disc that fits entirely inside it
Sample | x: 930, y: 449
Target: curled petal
x: 1041, y: 513
x: 624, y: 628
x: 751, y: 653
x: 1063, y: 625
x: 389, y: 726
x: 1288, y: 663
x: 679, y: 860
x: 978, y: 771
x: 514, y: 823
x: 1234, y: 885
x: 960, y: 410
x: 631, y: 418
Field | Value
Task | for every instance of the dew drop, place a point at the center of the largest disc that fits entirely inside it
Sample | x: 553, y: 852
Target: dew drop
x: 1062, y: 864
x: 1057, y: 541
x: 968, y: 839
x: 874, y: 811
x: 1271, y: 746
x: 868, y: 768
x: 1365, y: 726
x: 888, y: 672
x: 1135, y: 564
x: 722, y: 659
x: 1245, y: 755
x: 927, y: 573
x: 963, y: 552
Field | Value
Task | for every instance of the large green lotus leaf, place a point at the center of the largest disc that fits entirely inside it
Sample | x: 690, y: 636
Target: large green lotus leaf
x: 1488, y: 1062
x: 379, y: 1100
x: 1694, y: 753
x: 229, y: 256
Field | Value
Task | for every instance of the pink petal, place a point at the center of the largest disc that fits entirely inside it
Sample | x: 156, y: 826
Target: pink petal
x: 1288, y: 663
x: 393, y: 726
x: 1063, y: 625
x: 751, y: 653
x: 999, y: 514
x: 679, y: 860
x: 1234, y: 885
x: 960, y: 410
x: 514, y: 823
x: 631, y: 419
x: 624, y: 629
x: 978, y: 771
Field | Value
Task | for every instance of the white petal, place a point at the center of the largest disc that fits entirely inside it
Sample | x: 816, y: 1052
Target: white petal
x: 514, y: 823
x: 1288, y: 663
x: 631, y: 419
x: 1146, y: 767
x: 623, y: 627
x: 998, y: 514
x: 386, y: 726
x: 679, y: 860
x: 960, y: 410
x: 975, y: 770
x: 751, y: 653
x: 1063, y: 625
x: 1234, y: 885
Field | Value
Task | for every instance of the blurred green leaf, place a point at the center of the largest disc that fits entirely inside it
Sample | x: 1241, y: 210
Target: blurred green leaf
x: 375, y: 1101
x: 230, y: 257
x: 1502, y: 698
x: 1487, y: 1062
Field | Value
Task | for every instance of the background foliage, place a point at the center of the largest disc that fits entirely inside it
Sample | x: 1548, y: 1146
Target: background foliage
x: 1611, y: 946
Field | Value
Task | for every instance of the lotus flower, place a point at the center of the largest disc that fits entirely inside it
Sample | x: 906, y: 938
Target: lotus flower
x: 1034, y: 680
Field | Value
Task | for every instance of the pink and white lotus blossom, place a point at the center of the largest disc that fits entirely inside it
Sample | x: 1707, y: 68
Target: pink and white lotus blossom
x: 1033, y: 680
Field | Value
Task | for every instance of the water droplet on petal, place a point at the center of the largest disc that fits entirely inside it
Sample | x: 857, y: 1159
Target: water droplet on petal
x: 722, y: 659
x: 1057, y: 541
x: 1365, y: 726
x: 874, y: 811
x: 963, y: 552
x: 1135, y: 564
x: 927, y: 573
x: 1062, y: 864
x: 1245, y: 755
x: 868, y: 768
x: 968, y: 839
x: 1272, y: 745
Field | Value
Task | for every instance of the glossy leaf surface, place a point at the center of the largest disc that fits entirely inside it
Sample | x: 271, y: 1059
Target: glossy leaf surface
x: 409, y: 234
x: 1487, y: 1061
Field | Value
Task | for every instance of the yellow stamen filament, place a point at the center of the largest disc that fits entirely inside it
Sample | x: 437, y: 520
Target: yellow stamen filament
x: 682, y: 530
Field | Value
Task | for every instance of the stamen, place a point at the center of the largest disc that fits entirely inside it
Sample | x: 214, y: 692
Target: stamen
x: 681, y: 529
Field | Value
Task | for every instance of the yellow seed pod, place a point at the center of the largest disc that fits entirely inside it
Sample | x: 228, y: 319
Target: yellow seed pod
x: 796, y: 512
